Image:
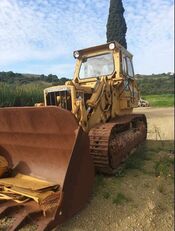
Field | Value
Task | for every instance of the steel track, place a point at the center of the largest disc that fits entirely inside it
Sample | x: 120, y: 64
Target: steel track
x: 111, y: 143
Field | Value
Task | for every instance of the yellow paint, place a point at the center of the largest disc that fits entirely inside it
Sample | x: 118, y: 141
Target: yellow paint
x: 108, y: 96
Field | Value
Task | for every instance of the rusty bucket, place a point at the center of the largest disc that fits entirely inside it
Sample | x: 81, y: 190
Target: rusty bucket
x: 50, y: 172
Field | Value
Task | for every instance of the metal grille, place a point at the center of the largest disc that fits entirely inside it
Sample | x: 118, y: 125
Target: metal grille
x: 65, y: 99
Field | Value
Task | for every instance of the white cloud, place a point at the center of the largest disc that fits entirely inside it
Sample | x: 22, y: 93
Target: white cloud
x: 151, y: 35
x: 37, y: 31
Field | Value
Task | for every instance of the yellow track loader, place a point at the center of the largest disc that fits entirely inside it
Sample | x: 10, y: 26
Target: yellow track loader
x: 48, y: 153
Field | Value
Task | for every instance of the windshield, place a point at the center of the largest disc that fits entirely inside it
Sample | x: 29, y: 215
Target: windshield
x: 97, y: 66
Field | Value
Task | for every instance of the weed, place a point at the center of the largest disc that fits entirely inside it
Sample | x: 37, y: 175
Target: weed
x: 120, y: 199
x: 133, y: 163
x: 161, y: 188
x: 99, y: 180
x: 163, y: 167
x: 120, y: 172
x: 161, y: 207
x: 99, y: 183
x: 136, y: 174
x: 106, y: 195
x: 158, y: 133
x: 146, y: 185
x: 149, y: 173
x: 154, y: 147
x: 136, y: 160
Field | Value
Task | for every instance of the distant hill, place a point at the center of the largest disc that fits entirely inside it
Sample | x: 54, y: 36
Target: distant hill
x: 156, y: 84
x: 149, y: 84
x: 21, y: 79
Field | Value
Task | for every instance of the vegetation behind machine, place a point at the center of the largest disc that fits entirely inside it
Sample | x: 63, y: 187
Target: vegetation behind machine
x: 15, y: 91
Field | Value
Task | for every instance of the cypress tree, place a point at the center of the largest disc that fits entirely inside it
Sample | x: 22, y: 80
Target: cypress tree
x: 116, y: 26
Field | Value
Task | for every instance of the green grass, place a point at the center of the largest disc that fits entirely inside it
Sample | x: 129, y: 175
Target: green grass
x: 166, y: 100
x: 120, y: 198
x: 29, y: 94
x: 26, y: 95
x: 157, y: 146
x: 148, y: 152
x: 99, y: 184
x: 106, y: 195
x: 136, y: 160
x: 164, y: 167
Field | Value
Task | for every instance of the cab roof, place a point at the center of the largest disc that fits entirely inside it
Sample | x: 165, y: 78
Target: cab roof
x: 104, y: 47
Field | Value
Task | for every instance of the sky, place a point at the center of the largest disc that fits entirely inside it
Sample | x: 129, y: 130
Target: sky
x: 39, y: 36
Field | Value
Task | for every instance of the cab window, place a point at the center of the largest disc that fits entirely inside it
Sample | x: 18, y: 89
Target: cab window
x: 97, y: 66
x: 130, y: 67
x: 124, y: 66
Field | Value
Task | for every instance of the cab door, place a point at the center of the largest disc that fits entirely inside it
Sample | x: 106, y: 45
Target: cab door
x: 130, y: 90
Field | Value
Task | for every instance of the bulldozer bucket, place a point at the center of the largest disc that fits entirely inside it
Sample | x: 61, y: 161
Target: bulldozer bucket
x: 50, y: 171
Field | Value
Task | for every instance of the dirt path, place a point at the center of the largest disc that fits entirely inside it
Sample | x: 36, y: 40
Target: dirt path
x: 148, y: 203
x: 160, y: 122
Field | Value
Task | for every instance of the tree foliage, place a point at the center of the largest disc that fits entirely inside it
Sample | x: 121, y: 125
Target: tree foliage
x: 116, y: 25
x: 156, y: 84
x: 26, y: 90
x: 20, y: 79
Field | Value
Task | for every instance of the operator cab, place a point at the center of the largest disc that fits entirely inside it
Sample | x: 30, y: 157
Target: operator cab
x: 93, y: 65
x: 110, y: 60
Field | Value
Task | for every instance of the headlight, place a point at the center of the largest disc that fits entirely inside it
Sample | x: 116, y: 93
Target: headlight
x: 76, y: 54
x: 111, y: 46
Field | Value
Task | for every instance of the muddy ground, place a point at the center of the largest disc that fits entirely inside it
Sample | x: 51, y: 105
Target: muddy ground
x: 140, y: 196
